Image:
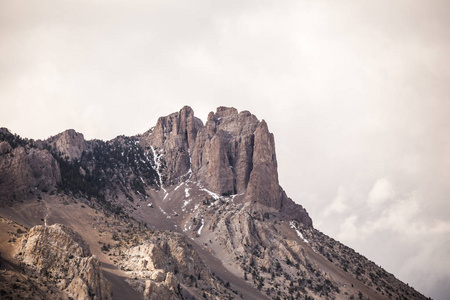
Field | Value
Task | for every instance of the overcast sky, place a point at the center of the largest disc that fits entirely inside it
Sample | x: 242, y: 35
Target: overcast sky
x: 356, y: 93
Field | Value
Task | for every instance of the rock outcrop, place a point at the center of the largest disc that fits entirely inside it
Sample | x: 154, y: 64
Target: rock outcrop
x: 164, y: 262
x: 69, y: 143
x: 25, y: 169
x: 263, y: 185
x: 223, y: 153
x: 174, y: 136
x: 60, y: 254
x: 233, y: 153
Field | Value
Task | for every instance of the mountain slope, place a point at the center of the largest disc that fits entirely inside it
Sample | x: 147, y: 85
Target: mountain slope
x: 184, y: 211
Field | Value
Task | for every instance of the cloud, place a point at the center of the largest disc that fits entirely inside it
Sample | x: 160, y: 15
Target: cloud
x: 401, y: 217
x: 394, y: 225
x: 338, y: 204
x: 381, y: 192
x: 348, y: 230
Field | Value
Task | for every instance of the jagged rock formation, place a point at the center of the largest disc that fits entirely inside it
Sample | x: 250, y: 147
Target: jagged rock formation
x: 59, y: 254
x: 24, y: 170
x: 174, y: 135
x: 168, y: 268
x: 233, y: 153
x: 69, y: 143
x: 263, y: 185
x: 222, y: 158
x: 237, y: 234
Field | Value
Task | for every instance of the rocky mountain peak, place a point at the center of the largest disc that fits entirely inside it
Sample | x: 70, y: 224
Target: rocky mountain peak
x: 233, y: 153
x: 70, y: 143
x: 173, y: 137
x: 184, y: 211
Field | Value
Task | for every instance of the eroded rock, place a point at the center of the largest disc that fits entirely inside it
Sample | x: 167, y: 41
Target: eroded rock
x: 60, y: 255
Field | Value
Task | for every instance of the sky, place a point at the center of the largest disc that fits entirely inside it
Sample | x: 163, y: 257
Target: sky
x: 355, y: 92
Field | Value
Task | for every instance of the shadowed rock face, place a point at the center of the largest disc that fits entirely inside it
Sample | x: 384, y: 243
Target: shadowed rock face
x: 223, y: 153
x: 23, y: 169
x: 263, y: 186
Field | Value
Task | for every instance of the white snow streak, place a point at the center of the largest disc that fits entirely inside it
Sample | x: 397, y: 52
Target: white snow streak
x: 199, y: 232
x: 300, y: 235
x: 178, y: 186
x: 214, y: 195
x: 190, y: 164
x: 157, y: 158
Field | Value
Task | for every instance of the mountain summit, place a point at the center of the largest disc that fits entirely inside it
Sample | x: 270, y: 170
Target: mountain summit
x: 185, y: 210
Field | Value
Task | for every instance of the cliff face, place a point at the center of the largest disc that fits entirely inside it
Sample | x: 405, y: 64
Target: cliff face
x: 233, y: 153
x: 173, y: 137
x: 24, y: 170
x: 222, y: 157
x: 59, y: 254
x: 263, y: 185
x: 69, y: 143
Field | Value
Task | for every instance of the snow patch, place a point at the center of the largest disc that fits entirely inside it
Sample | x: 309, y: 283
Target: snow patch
x: 186, y: 192
x: 187, y: 228
x: 300, y: 235
x: 190, y: 164
x: 185, y: 203
x: 212, y: 194
x: 164, y: 213
x: 157, y: 158
x: 178, y: 186
x: 199, y: 232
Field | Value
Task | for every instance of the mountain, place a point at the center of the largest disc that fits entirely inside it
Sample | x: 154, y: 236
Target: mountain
x: 185, y: 210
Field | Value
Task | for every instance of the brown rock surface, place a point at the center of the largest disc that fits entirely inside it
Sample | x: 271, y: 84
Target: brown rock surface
x: 59, y: 254
x: 25, y: 169
x: 222, y: 157
x: 70, y: 143
x: 233, y: 153
x: 263, y: 185
x: 174, y: 136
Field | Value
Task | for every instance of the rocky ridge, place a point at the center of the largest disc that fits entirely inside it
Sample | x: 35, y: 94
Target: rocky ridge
x: 233, y: 153
x: 215, y: 184
x: 59, y: 254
